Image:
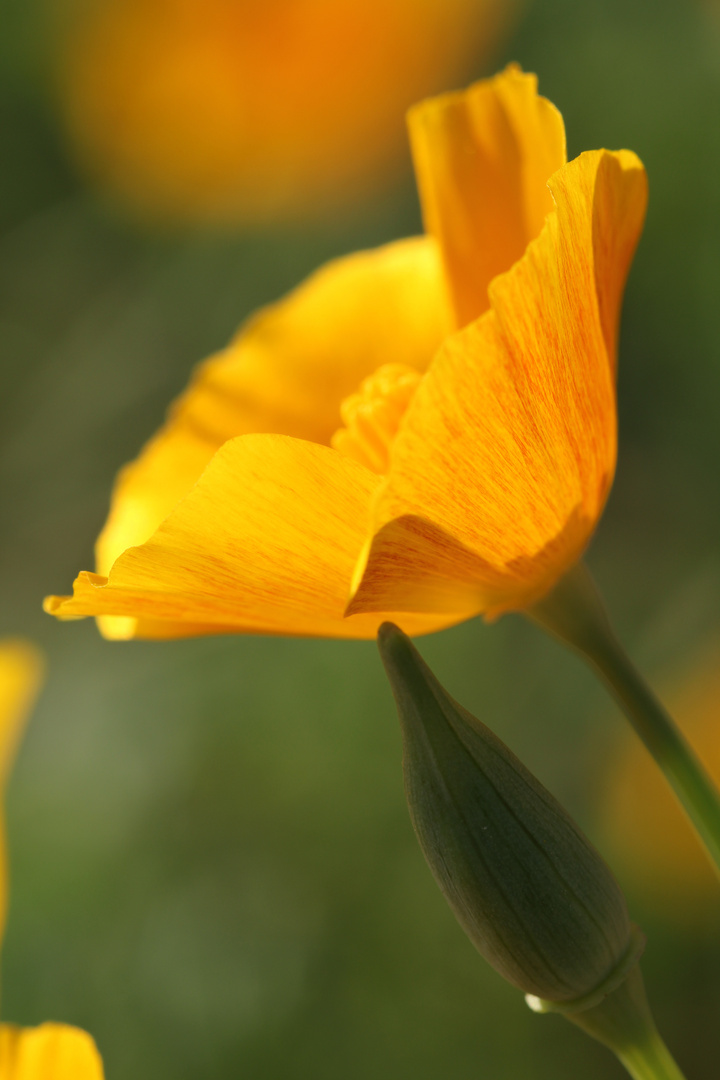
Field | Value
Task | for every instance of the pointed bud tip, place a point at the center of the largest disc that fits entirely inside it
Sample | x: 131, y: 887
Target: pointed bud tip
x: 396, y: 648
x: 388, y: 633
x: 403, y: 664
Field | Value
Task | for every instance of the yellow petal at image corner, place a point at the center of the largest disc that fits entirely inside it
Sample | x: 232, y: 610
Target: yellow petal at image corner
x: 519, y: 410
x: 483, y: 157
x: 265, y: 542
x: 48, y: 1052
x: 286, y: 372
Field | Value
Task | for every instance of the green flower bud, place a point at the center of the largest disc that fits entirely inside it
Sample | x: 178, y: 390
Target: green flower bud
x: 527, y: 887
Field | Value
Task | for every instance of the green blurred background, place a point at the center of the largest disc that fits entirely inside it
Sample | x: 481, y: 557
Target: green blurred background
x: 212, y: 866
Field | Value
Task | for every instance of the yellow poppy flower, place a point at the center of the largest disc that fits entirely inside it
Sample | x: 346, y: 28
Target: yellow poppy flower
x: 420, y: 433
x: 254, y: 109
x: 50, y: 1051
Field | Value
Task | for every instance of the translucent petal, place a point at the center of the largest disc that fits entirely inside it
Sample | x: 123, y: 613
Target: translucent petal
x: 506, y: 453
x: 265, y: 542
x: 483, y: 158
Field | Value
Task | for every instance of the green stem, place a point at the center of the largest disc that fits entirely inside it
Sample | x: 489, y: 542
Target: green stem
x: 623, y: 1022
x: 574, y: 612
x: 651, y: 1062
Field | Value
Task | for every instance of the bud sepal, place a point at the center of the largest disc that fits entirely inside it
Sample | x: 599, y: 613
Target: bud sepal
x: 636, y: 948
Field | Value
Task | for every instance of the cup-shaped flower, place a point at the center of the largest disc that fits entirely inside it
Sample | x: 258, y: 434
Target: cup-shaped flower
x: 50, y: 1051
x: 527, y: 887
x: 423, y: 432
x: 244, y: 110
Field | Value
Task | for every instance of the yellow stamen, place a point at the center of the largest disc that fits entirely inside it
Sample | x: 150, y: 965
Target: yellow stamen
x: 372, y: 415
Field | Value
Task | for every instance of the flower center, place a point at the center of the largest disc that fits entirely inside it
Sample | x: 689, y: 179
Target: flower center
x: 372, y: 415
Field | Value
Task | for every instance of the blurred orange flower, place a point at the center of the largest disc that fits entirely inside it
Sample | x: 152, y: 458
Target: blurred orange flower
x: 254, y: 109
x: 652, y: 843
x: 442, y: 409
x: 50, y: 1051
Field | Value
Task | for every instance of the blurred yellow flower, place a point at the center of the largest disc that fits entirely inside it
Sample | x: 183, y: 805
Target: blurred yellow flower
x: 50, y: 1051
x: 442, y: 409
x: 20, y: 677
x: 651, y: 842
x: 254, y: 109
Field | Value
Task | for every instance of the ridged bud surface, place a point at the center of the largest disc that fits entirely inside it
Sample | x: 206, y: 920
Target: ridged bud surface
x: 528, y: 888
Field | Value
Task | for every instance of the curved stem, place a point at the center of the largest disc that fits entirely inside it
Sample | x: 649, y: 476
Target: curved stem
x: 574, y: 612
x: 623, y: 1022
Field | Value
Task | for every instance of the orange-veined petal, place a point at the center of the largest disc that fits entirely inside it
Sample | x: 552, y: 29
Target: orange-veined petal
x: 286, y: 372
x: 265, y: 542
x: 483, y: 158
x: 48, y: 1052
x: 505, y: 456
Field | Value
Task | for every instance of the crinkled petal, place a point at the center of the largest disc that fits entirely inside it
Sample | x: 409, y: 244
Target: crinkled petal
x: 505, y: 456
x: 48, y: 1052
x: 286, y: 372
x: 265, y: 542
x: 483, y: 158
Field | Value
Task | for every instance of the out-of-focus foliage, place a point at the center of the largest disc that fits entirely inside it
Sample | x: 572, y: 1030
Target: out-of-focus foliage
x: 213, y: 868
x: 50, y: 1051
x: 247, y: 110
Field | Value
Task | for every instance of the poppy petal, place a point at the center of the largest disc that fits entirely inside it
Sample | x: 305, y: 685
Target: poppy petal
x: 505, y: 456
x: 265, y: 542
x: 483, y: 158
x: 286, y: 372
